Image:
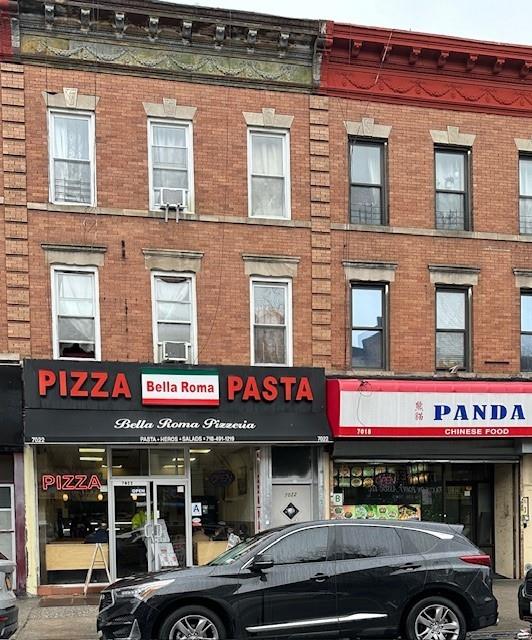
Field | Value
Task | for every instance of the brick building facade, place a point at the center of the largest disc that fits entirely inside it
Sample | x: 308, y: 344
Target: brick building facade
x: 323, y: 93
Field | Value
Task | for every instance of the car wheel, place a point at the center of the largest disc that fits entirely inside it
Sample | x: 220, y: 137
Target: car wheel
x: 435, y: 618
x: 192, y: 622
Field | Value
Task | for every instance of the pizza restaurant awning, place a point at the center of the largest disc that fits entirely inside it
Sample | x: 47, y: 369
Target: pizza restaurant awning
x: 359, y: 408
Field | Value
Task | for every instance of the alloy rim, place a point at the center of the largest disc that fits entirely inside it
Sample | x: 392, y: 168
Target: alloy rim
x: 437, y: 622
x: 194, y: 628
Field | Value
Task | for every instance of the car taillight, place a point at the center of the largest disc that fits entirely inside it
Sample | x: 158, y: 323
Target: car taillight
x: 481, y: 558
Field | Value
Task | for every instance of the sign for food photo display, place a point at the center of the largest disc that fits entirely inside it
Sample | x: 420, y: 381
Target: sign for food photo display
x: 128, y: 402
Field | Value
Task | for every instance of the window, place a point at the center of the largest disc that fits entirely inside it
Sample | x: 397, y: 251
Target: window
x: 525, y: 194
x: 306, y: 545
x: 72, y: 166
x: 368, y: 327
x: 415, y: 542
x: 269, y: 175
x: 355, y: 542
x: 368, y: 194
x: 526, y: 330
x: 174, y: 313
x: 452, y: 200
x: 171, y: 161
x: 452, y: 320
x: 271, y: 322
x: 76, y: 324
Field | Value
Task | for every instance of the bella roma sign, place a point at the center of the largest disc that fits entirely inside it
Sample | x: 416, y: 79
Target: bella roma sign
x: 145, y: 403
x: 429, y: 409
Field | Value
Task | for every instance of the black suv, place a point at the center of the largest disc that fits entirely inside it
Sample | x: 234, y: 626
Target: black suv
x: 330, y: 579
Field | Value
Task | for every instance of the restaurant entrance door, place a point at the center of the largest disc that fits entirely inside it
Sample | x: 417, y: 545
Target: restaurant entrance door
x: 149, y: 526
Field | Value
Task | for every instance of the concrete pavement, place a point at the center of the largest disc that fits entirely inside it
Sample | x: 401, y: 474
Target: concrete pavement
x: 78, y: 622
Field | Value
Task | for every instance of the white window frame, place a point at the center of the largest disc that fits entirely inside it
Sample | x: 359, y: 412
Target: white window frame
x: 194, y: 319
x: 56, y: 268
x: 85, y: 115
x: 287, y: 284
x: 284, y: 134
x: 154, y: 206
x: 12, y: 530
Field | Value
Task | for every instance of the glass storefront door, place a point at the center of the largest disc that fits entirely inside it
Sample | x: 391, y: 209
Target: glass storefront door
x: 149, y: 531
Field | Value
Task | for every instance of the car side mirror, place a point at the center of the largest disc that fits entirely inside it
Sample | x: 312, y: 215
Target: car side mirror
x: 262, y: 562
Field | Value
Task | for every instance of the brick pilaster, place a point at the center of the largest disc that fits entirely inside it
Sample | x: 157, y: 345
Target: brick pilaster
x: 15, y: 208
x: 320, y: 211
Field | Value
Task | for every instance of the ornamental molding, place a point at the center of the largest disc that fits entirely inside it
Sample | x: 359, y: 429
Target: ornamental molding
x: 74, y: 255
x: 270, y: 266
x: 453, y: 136
x: 268, y: 118
x: 172, y: 260
x: 457, y: 275
x: 368, y: 129
x: 428, y: 90
x: 169, y: 109
x: 361, y: 271
x: 70, y: 99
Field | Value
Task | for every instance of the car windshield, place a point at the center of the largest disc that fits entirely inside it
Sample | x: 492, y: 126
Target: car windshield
x: 236, y: 552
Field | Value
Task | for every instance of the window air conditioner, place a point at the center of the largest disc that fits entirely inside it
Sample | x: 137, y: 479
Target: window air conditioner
x: 173, y: 198
x: 174, y: 351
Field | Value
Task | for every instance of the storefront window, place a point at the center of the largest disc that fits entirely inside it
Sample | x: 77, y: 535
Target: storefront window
x: 130, y: 462
x: 388, y: 491
x: 167, y: 462
x: 73, y: 516
x: 222, y: 498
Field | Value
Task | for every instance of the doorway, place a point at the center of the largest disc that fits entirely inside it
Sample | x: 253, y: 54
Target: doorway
x: 150, y: 525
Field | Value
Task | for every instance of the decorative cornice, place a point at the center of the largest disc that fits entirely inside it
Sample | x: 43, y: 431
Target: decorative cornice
x: 423, y: 70
x: 453, y: 136
x: 368, y: 128
x: 163, y: 39
x: 268, y: 118
x: 169, y: 109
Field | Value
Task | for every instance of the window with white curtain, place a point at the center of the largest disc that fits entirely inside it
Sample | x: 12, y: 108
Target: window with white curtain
x: 525, y: 194
x: 269, y: 174
x: 367, y: 177
x: 75, y: 313
x: 170, y: 157
x: 173, y: 312
x: 72, y: 166
x: 271, y: 315
x: 452, y: 328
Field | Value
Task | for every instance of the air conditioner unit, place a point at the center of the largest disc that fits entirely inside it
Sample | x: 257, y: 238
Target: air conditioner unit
x: 173, y: 198
x: 174, y: 351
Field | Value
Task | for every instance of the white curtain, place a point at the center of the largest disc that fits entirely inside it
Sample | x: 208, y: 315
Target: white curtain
x: 450, y: 171
x: 72, y: 159
x: 169, y: 158
x: 450, y: 310
x: 366, y: 164
x: 525, y: 177
x: 267, y: 183
x: 76, y: 307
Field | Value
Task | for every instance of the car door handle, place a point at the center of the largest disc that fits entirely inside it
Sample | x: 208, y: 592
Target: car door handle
x: 409, y: 566
x: 319, y: 577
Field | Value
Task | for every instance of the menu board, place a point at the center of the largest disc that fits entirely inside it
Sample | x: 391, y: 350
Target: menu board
x: 377, y: 512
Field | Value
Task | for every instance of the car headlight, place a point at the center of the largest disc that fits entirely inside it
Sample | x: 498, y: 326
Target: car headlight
x: 143, y: 591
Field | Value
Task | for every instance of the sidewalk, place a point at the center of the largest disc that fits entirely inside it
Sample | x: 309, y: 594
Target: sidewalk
x: 78, y: 622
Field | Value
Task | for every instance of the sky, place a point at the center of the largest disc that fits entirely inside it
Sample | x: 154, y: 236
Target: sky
x: 509, y: 21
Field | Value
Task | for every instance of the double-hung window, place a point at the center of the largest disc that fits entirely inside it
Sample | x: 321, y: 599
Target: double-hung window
x: 271, y: 314
x: 71, y: 153
x: 76, y: 323
x: 269, y: 174
x: 452, y: 328
x: 526, y: 330
x: 174, y: 314
x: 368, y: 183
x: 525, y: 194
x: 452, y: 189
x: 368, y: 326
x: 171, y: 165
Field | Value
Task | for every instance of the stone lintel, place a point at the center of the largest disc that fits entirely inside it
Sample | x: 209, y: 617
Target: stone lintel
x: 70, y: 99
x: 368, y: 129
x: 456, y: 275
x: 169, y: 108
x: 270, y: 266
x: 75, y: 255
x: 363, y: 271
x: 268, y: 118
x: 172, y: 260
